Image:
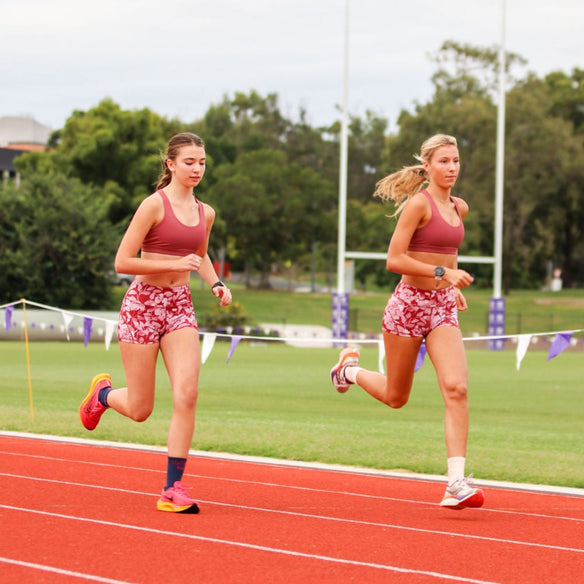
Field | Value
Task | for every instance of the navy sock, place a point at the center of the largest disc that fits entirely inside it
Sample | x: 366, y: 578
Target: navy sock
x: 174, y: 470
x: 102, y: 396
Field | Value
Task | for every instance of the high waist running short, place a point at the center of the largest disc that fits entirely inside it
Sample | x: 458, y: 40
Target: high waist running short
x: 413, y: 312
x: 149, y: 312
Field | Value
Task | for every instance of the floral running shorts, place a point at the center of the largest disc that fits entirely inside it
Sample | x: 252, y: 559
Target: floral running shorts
x: 148, y: 312
x: 413, y: 312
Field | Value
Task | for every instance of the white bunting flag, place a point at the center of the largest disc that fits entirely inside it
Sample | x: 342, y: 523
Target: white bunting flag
x: 522, y: 345
x: 67, y: 318
x: 110, y: 327
x: 208, y: 342
x: 381, y: 357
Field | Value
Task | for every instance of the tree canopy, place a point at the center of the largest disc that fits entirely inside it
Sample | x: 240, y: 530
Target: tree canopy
x: 274, y: 182
x: 56, y: 246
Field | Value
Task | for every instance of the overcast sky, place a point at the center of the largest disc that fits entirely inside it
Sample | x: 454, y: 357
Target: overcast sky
x: 178, y: 57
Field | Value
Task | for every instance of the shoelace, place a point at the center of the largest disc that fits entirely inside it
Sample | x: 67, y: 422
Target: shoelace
x: 461, y: 485
x: 181, y: 490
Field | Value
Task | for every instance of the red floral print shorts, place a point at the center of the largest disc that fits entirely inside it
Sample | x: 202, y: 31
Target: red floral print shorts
x: 148, y: 312
x: 413, y: 312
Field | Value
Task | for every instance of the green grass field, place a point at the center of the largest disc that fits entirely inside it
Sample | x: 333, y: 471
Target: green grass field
x: 277, y: 401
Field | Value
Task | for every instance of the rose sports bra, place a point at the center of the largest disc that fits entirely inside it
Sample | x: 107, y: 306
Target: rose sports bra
x: 171, y: 236
x: 438, y: 236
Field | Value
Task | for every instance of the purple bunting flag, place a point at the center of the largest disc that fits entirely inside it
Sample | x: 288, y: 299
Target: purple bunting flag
x: 8, y: 321
x: 420, y: 357
x: 560, y: 342
x: 87, y: 322
x: 234, y: 342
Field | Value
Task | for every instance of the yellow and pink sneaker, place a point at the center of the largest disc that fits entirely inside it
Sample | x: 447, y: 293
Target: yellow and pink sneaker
x: 91, y: 410
x: 176, y: 499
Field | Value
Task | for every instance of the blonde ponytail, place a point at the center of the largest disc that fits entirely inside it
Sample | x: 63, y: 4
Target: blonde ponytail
x: 400, y: 185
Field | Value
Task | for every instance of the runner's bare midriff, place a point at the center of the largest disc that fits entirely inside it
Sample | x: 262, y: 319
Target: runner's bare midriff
x: 164, y: 279
x: 435, y: 259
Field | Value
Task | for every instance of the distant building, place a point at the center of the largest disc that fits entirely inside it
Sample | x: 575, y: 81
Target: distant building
x: 19, y: 134
x: 23, y: 133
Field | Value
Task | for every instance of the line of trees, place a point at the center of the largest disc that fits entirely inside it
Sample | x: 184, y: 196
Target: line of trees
x: 274, y: 183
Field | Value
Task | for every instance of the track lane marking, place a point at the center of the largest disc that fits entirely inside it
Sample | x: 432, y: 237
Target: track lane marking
x: 255, y: 547
x: 314, y: 516
x: 52, y: 569
x: 296, y: 487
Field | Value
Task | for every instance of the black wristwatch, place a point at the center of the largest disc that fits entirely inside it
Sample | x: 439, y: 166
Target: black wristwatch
x: 217, y: 283
x: 439, y: 271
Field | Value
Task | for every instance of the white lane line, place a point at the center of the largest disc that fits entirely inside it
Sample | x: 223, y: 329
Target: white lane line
x: 319, y: 517
x: 294, y: 487
x: 255, y: 547
x: 52, y: 569
x: 247, y: 459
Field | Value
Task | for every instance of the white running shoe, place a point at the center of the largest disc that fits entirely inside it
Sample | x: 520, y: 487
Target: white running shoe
x: 460, y: 494
x: 348, y: 357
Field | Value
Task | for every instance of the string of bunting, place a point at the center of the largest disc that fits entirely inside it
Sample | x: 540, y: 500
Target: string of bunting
x: 561, y: 340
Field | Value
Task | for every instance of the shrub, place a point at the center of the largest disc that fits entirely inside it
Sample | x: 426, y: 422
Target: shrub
x: 222, y: 317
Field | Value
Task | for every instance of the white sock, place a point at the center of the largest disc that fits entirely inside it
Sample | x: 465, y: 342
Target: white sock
x: 455, y: 468
x: 351, y: 373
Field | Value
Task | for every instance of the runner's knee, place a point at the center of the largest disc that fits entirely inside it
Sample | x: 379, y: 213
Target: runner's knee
x: 396, y: 398
x: 455, y: 390
x: 185, y: 399
x: 140, y: 412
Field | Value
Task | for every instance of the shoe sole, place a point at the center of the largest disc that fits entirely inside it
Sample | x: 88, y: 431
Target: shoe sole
x: 169, y: 506
x: 474, y: 501
x: 339, y: 388
x: 92, y: 386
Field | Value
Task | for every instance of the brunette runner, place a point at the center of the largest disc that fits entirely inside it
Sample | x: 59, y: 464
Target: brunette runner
x: 171, y: 231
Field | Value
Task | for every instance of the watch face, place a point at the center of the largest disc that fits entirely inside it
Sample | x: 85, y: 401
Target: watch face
x: 439, y: 271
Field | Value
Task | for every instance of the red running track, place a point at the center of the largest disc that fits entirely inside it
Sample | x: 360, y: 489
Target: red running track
x: 74, y: 512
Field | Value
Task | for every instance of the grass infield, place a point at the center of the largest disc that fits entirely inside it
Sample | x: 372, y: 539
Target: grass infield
x: 277, y: 401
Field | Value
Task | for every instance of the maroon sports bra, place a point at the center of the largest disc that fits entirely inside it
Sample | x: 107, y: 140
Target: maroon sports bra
x: 173, y: 237
x: 438, y: 236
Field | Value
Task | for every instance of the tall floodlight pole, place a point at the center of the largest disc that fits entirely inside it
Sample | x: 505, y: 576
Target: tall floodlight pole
x: 340, y: 300
x: 343, y: 164
x: 500, y: 165
x: 497, y: 303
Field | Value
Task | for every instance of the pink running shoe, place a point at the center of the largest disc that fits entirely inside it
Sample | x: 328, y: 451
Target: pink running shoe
x: 460, y: 495
x: 176, y: 499
x: 91, y: 410
x: 348, y: 357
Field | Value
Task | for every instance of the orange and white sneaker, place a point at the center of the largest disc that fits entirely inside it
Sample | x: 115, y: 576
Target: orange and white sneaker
x: 348, y: 357
x: 176, y: 499
x: 91, y: 410
x: 460, y: 495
